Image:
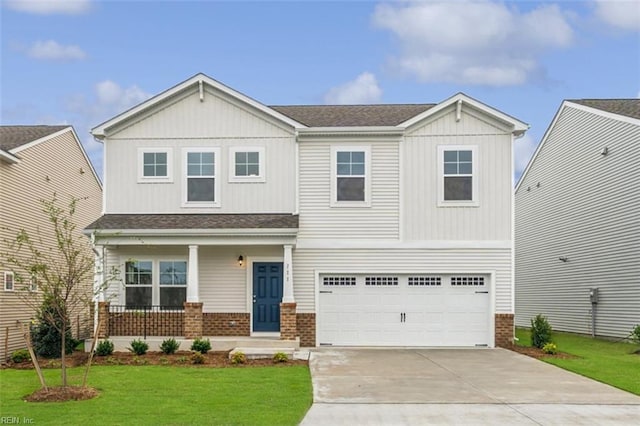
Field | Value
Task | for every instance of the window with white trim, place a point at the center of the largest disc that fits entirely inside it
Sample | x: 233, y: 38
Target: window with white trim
x: 351, y: 176
x: 201, y: 183
x: 155, y: 165
x: 155, y: 282
x: 33, y: 284
x: 246, y: 164
x: 9, y: 281
x: 458, y: 178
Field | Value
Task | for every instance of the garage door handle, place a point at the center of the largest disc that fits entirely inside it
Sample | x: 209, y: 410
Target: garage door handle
x: 482, y: 292
x: 403, y: 317
x: 325, y: 292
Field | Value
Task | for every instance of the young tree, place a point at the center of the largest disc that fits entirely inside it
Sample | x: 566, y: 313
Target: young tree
x: 59, y: 261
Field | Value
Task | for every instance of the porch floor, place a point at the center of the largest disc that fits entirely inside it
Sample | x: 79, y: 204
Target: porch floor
x: 218, y: 343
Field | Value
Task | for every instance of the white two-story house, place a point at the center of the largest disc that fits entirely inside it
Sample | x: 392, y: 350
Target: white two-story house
x: 377, y: 225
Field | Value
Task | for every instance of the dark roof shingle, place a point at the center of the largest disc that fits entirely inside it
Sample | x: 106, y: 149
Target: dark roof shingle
x: 12, y: 137
x: 626, y: 107
x: 352, y: 115
x: 195, y: 221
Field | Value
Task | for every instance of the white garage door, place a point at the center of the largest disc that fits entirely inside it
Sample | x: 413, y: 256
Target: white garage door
x: 404, y: 310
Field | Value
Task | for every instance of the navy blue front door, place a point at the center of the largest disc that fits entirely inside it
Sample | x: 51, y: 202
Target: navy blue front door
x: 267, y: 295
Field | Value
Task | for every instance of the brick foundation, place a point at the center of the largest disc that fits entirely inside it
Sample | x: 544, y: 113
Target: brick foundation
x: 103, y: 316
x: 288, y: 321
x: 306, y: 324
x: 226, y: 324
x: 192, y: 320
x: 504, y: 330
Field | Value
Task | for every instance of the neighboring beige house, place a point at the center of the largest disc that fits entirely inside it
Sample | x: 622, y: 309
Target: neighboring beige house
x: 351, y: 225
x: 35, y: 163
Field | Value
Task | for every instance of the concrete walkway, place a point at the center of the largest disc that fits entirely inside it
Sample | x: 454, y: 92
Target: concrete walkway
x: 457, y: 386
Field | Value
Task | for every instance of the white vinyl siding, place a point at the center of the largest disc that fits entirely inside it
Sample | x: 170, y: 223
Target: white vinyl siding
x: 187, y: 123
x: 577, y: 203
x: 318, y: 219
x: 491, y: 220
x: 155, y: 165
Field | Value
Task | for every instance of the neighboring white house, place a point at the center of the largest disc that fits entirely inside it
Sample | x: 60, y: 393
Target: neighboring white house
x: 578, y: 221
x: 341, y: 225
x: 35, y: 163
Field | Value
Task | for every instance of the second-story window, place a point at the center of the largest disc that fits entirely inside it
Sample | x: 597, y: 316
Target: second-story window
x: 155, y: 165
x: 350, y: 169
x: 201, y: 178
x: 246, y: 164
x: 458, y: 181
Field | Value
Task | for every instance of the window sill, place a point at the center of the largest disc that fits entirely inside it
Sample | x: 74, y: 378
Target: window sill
x: 196, y: 204
x: 251, y: 179
x: 446, y: 204
x: 350, y: 204
x: 155, y: 180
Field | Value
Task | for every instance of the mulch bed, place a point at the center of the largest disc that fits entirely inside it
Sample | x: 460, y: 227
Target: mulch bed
x: 538, y: 354
x: 60, y: 394
x: 180, y: 358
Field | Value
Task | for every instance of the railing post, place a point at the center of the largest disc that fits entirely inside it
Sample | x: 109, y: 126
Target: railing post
x: 144, y: 326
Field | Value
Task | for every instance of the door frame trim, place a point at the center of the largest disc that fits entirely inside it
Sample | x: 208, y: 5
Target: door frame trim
x: 249, y: 289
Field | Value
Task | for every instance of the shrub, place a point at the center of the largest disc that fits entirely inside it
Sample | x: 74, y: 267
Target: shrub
x: 635, y: 334
x: 201, y: 345
x: 46, y: 336
x: 139, y: 347
x: 169, y: 346
x: 280, y: 357
x: 550, y: 348
x: 197, y: 357
x: 238, y: 358
x: 21, y: 355
x: 181, y: 359
x: 104, y: 348
x: 113, y: 361
x: 540, y: 331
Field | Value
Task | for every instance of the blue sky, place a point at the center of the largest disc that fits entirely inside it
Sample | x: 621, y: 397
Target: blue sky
x: 82, y: 62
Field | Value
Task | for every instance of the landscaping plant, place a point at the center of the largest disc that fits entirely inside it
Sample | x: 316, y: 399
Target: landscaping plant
x: 238, y: 358
x: 21, y: 355
x: 280, y: 357
x: 104, y: 348
x: 540, y: 331
x: 201, y: 345
x: 139, y: 347
x: 169, y: 346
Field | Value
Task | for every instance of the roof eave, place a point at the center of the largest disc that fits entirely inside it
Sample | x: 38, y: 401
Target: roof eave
x: 192, y: 232
x: 352, y: 130
x: 8, y: 157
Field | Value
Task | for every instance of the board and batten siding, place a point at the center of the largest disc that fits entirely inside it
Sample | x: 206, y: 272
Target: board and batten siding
x: 319, y: 220
x: 423, y: 219
x: 308, y: 262
x: 576, y: 203
x: 217, y: 122
x: 52, y: 166
x: 222, y: 283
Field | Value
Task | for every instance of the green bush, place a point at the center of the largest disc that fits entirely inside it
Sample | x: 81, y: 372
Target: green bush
x: 201, y: 345
x: 169, y: 346
x: 238, y: 358
x: 104, y: 348
x: 540, y: 331
x: 139, y: 347
x: 46, y: 336
x: 550, y: 348
x: 197, y: 357
x: 635, y: 334
x: 280, y: 357
x: 21, y: 355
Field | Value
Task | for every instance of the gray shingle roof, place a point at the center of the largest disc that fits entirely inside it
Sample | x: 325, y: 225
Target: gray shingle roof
x: 12, y: 137
x: 195, y: 221
x: 626, y: 107
x: 352, y: 115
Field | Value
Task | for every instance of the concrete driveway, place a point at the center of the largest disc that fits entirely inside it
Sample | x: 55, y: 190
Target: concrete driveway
x: 457, y: 386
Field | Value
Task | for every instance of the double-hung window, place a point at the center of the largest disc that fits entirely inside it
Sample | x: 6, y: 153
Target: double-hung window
x: 155, y: 282
x: 201, y: 183
x: 155, y: 165
x: 8, y: 281
x: 246, y: 164
x: 351, y: 176
x: 458, y: 177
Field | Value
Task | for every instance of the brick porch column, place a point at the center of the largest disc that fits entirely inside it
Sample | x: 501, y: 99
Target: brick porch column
x: 288, y: 321
x: 504, y: 330
x: 103, y: 319
x: 192, y: 320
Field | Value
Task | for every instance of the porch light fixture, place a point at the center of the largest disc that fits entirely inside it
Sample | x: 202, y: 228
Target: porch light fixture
x: 240, y: 260
x: 563, y: 259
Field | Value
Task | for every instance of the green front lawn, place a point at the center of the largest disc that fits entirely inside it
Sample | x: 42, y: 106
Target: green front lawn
x: 158, y: 395
x: 609, y: 362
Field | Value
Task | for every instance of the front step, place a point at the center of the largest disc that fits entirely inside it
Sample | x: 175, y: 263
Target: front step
x: 268, y: 353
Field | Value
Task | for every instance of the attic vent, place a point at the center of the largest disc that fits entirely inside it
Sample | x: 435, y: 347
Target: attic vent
x: 467, y: 281
x: 381, y: 281
x: 339, y: 281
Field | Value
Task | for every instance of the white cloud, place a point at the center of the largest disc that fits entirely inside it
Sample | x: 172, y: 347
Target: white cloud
x: 523, y: 150
x: 49, y: 7
x: 622, y: 14
x: 363, y: 90
x: 54, y: 51
x: 472, y: 41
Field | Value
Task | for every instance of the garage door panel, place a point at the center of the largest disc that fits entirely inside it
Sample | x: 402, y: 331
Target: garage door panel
x: 405, y: 310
